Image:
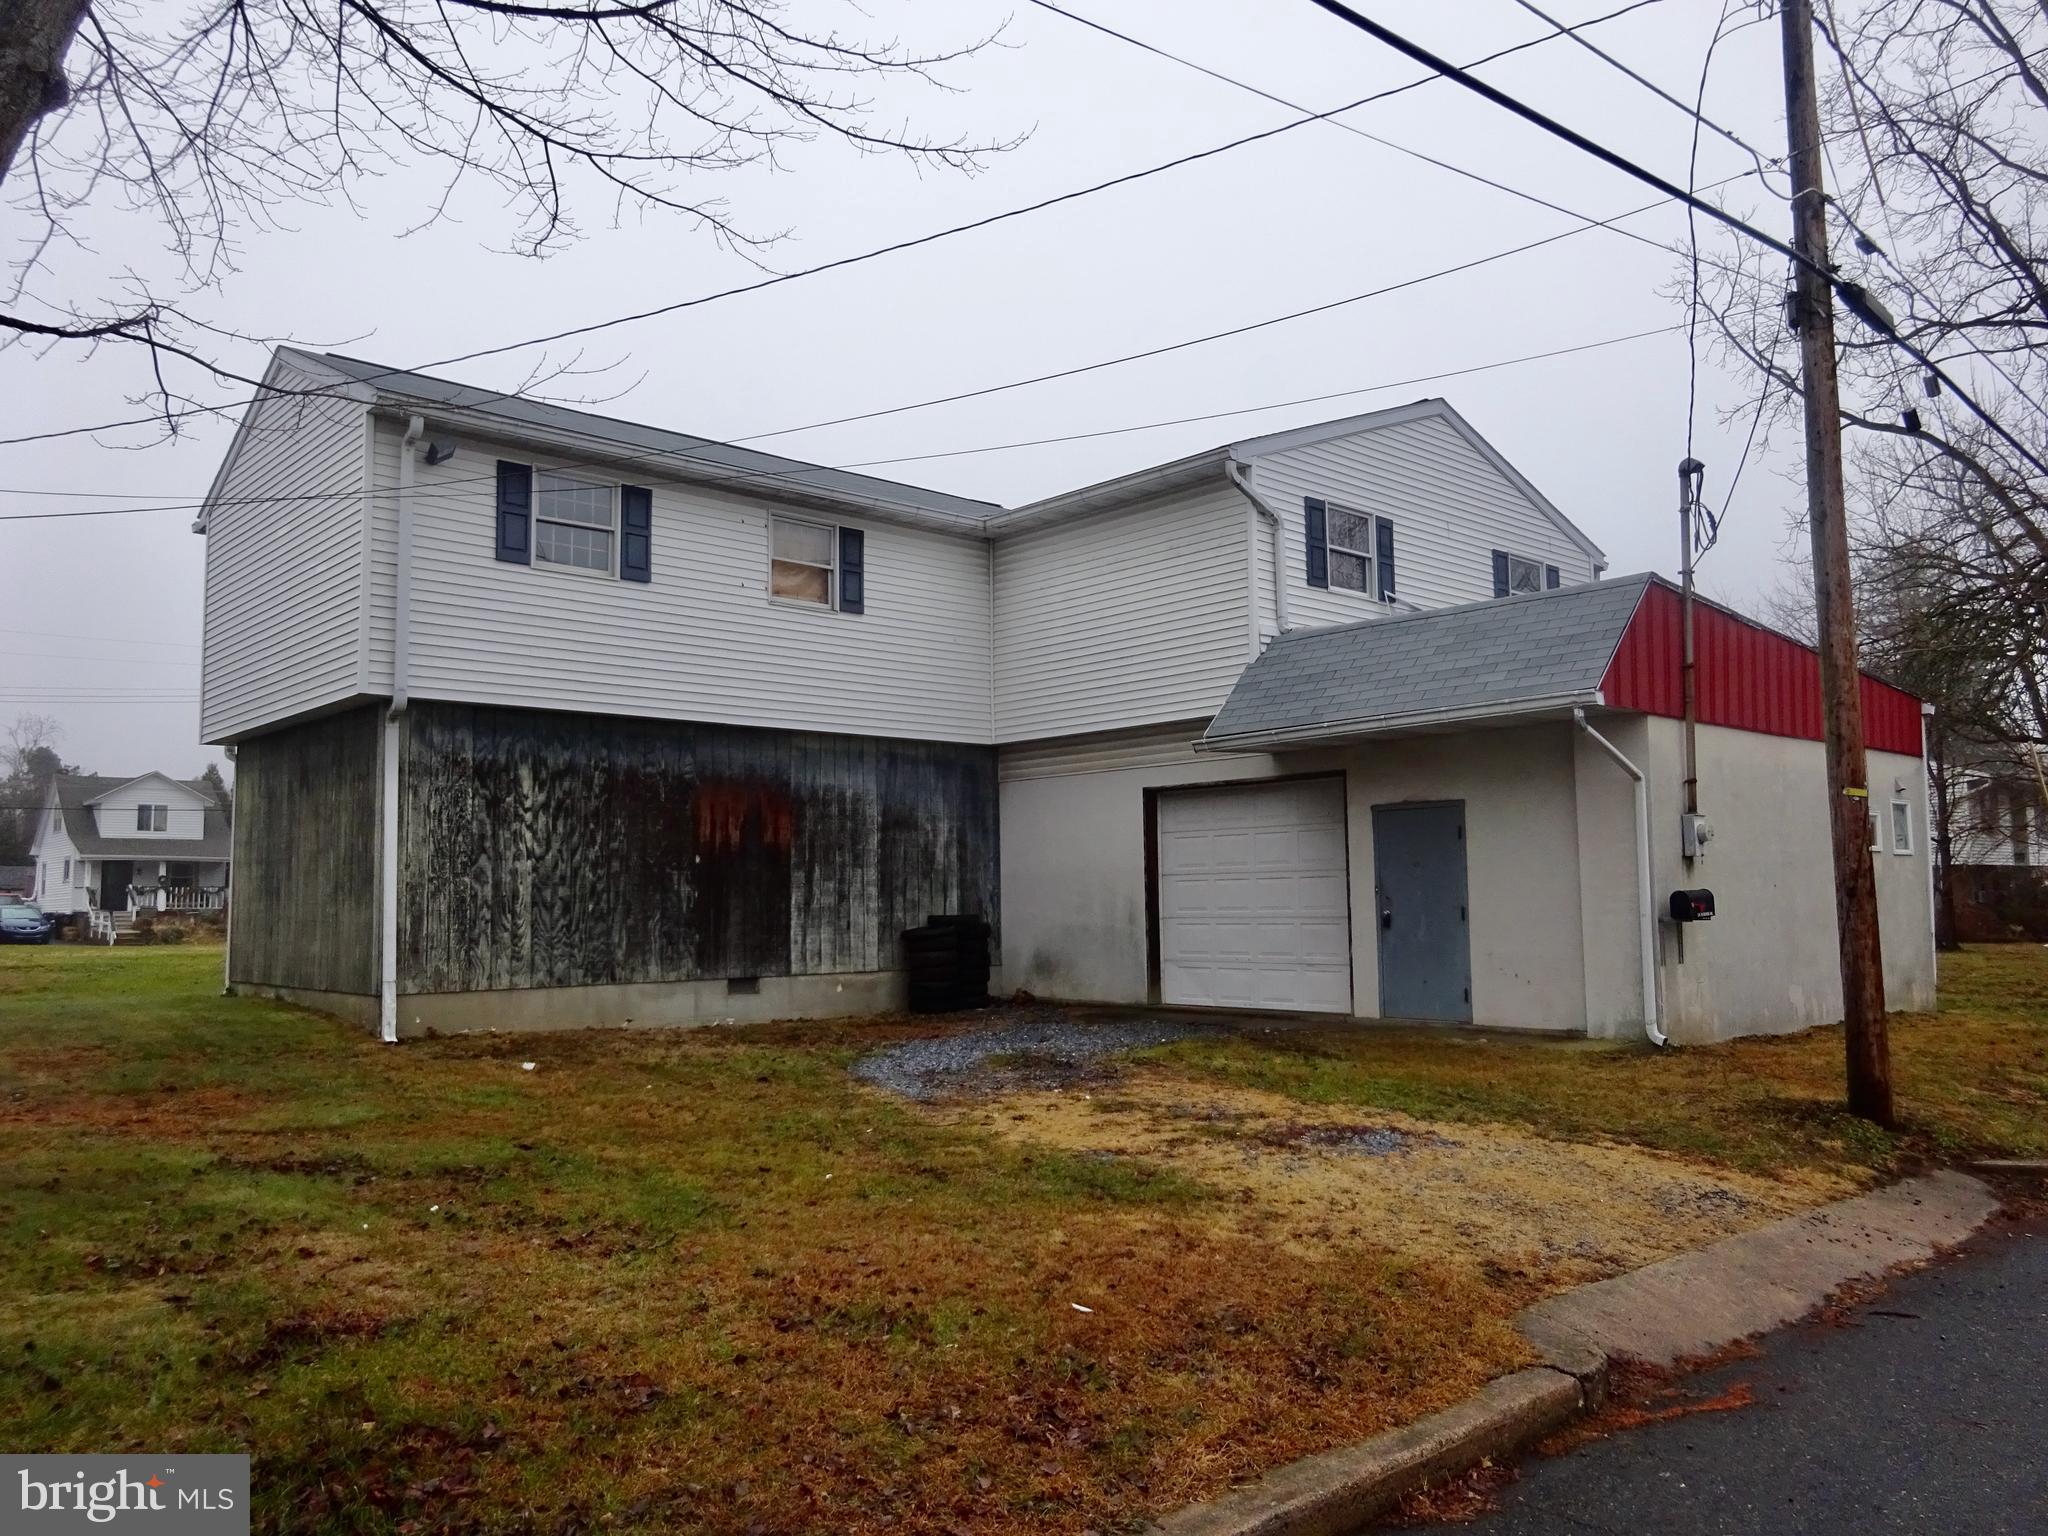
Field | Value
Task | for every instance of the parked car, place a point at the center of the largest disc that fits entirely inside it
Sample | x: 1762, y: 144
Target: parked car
x: 23, y: 922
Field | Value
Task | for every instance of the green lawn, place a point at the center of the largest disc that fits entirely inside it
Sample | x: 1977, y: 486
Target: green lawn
x: 1970, y: 1078
x: 701, y: 1281
x: 687, y: 1281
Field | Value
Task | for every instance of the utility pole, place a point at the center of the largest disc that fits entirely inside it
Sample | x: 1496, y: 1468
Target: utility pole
x: 1813, y: 315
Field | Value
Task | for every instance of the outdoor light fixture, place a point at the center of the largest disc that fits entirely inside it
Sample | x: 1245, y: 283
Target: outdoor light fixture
x: 440, y: 450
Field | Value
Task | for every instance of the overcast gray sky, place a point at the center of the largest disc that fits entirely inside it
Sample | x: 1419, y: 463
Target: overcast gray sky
x: 97, y: 604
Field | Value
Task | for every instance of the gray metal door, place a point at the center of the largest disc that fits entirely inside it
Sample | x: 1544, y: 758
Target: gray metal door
x: 1419, y: 886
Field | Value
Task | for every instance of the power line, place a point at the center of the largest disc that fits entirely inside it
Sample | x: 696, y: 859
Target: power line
x: 799, y: 470
x: 1064, y: 373
x: 1764, y: 164
x: 51, y: 634
x: 777, y: 279
x: 1852, y: 295
x: 120, y: 661
x: 1352, y: 128
x: 1247, y: 410
x: 1070, y: 437
x: 1692, y: 241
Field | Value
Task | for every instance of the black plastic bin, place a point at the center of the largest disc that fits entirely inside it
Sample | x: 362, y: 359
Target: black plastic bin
x: 947, y: 963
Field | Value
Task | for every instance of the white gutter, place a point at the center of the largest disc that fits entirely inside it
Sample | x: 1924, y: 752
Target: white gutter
x: 1927, y: 799
x: 1646, y: 906
x: 1331, y: 733
x: 401, y: 671
x: 1242, y: 480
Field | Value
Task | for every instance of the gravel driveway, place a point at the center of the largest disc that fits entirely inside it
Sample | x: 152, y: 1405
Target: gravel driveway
x: 1027, y: 1048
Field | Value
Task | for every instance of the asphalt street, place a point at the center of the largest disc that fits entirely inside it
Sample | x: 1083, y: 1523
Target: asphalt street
x: 1924, y: 1411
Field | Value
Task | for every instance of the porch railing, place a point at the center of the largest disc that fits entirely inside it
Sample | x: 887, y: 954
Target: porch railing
x: 177, y: 898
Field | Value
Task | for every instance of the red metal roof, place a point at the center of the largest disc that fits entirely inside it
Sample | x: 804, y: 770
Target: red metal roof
x: 1750, y: 678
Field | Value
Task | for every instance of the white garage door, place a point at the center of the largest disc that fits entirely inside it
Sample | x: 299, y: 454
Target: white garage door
x: 1254, y: 908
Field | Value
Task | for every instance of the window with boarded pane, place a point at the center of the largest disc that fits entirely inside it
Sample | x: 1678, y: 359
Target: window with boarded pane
x: 572, y: 522
x: 1351, y: 549
x: 802, y: 558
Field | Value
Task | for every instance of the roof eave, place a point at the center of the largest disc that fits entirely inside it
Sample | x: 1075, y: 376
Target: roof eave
x: 1105, y: 495
x: 1335, y: 733
x: 670, y: 464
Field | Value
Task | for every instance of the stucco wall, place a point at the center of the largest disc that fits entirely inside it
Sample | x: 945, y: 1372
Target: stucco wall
x: 1550, y: 833
x: 1073, y: 861
x: 1769, y: 962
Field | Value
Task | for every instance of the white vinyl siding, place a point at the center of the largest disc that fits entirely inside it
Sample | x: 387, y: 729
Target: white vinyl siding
x: 1450, y: 509
x: 701, y: 640
x: 184, y: 812
x: 1122, y: 619
x: 53, y: 850
x: 284, y: 576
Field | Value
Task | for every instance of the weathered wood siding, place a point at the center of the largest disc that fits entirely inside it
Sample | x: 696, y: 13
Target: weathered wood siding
x: 306, y: 855
x: 554, y: 850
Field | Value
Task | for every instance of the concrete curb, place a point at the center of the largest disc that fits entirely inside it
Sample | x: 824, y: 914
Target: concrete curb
x: 1689, y: 1305
x: 1701, y: 1301
x: 1340, y: 1490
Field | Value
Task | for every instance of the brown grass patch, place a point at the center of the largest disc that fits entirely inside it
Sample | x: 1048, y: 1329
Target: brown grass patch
x: 166, y: 1113
x: 1537, y: 1212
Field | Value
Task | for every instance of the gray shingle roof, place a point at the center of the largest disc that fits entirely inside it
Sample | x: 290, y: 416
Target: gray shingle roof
x: 702, y: 453
x: 1448, y: 661
x: 76, y: 790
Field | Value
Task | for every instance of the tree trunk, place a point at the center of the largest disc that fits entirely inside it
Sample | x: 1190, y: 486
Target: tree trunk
x: 34, y: 35
x: 1944, y: 851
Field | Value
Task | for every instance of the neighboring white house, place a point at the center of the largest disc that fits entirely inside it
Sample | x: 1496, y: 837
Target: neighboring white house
x: 125, y: 843
x: 544, y: 718
x: 2000, y: 817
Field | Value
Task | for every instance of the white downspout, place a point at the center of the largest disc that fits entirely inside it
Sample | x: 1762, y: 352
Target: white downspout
x: 1646, y: 906
x: 1927, y: 800
x: 1238, y: 478
x: 401, y: 671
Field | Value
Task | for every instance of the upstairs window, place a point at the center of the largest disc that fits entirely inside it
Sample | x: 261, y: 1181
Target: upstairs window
x: 1515, y: 574
x: 1902, y: 826
x: 573, y: 522
x: 152, y: 818
x: 1351, y: 549
x: 803, y: 557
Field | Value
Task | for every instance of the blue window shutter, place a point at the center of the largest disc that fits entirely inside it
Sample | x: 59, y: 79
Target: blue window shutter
x: 515, y: 512
x: 1315, y: 525
x: 1500, y: 573
x: 1383, y: 552
x: 1552, y: 577
x: 853, y: 586
x: 636, y: 533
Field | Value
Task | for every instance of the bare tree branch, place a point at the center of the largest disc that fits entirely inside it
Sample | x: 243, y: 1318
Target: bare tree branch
x: 222, y: 115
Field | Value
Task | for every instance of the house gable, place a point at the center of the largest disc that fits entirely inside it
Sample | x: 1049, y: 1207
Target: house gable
x: 159, y: 788
x: 1449, y: 502
x: 284, y: 523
